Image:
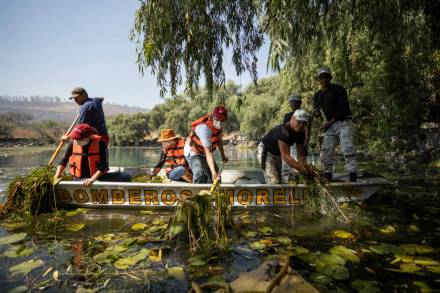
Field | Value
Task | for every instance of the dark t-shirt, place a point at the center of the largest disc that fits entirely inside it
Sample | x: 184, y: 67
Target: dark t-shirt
x: 103, y: 164
x: 333, y: 102
x: 285, y: 134
x: 91, y: 112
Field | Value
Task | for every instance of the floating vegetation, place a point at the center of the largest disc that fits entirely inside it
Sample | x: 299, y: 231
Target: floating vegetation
x: 199, y: 213
x: 25, y: 267
x: 342, y: 234
x: 76, y: 212
x: 75, y: 227
x: 31, y: 194
x: 13, y: 238
x: 147, y: 178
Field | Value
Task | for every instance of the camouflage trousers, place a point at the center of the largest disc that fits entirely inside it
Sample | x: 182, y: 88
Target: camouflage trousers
x: 273, y: 166
x: 342, y: 130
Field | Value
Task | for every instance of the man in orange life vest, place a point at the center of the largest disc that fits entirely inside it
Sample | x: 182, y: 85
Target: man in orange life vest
x: 87, y: 155
x: 172, y: 155
x: 205, y: 137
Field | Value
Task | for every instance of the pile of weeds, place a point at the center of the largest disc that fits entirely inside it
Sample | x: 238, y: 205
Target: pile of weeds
x: 31, y: 194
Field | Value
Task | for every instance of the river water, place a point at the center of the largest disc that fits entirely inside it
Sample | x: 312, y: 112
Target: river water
x: 394, y: 236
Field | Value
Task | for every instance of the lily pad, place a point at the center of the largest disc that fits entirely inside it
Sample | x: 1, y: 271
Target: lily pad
x: 158, y: 222
x: 126, y: 262
x: 75, y: 227
x: 176, y: 272
x: 432, y: 269
x: 117, y: 248
x: 107, y: 256
x: 426, y: 261
x: 249, y: 234
x: 423, y: 286
x: 325, y: 259
x: 345, y: 253
x: 266, y: 230
x: 416, y: 249
x: 257, y: 245
x: 384, y: 248
x: 320, y: 278
x: 76, y: 212
x: 410, y: 268
x: 284, y: 240
x: 196, y: 261
x: 16, y: 251
x: 13, y: 238
x: 363, y: 286
x: 334, y: 271
x: 25, y: 267
x: 138, y: 226
x: 387, y: 229
x: 147, y: 212
x: 298, y: 250
x: 105, y: 237
x: 12, y: 226
x: 342, y: 234
x: 412, y: 228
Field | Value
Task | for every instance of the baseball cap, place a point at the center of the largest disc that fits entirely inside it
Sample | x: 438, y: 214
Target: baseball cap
x: 81, y: 131
x: 323, y: 70
x: 78, y: 91
x: 301, y: 115
x: 295, y: 98
x: 221, y: 113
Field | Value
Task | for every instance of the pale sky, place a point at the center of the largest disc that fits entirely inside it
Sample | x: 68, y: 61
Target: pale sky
x: 50, y: 46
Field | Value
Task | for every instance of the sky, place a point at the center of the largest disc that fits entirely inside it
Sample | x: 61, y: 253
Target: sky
x: 51, y: 46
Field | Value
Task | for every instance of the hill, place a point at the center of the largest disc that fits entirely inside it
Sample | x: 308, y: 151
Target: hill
x: 53, y: 108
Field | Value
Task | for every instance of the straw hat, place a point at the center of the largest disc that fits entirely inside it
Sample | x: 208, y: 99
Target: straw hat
x: 167, y: 134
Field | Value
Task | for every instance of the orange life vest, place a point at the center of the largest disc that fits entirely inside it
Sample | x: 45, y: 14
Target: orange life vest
x: 93, y: 156
x: 175, y: 156
x: 215, y: 138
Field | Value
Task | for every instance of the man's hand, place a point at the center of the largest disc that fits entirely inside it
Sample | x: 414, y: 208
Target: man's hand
x: 326, y: 125
x: 88, y: 182
x: 64, y: 138
x: 225, y: 159
x: 214, y: 176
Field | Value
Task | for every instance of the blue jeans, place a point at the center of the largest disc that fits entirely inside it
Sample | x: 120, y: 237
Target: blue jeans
x: 176, y: 173
x: 200, y: 169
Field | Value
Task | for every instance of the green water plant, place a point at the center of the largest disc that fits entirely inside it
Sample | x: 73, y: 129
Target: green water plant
x: 31, y: 194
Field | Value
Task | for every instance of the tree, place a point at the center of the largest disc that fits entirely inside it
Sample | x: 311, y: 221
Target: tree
x: 192, y: 35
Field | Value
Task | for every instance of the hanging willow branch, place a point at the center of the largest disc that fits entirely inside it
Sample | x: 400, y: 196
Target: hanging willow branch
x: 191, y: 36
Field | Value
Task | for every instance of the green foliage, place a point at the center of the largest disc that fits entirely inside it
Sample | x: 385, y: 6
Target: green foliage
x: 193, y: 35
x: 384, y: 52
x: 128, y: 129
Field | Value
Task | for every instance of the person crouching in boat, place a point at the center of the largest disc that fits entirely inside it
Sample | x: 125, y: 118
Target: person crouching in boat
x: 173, y: 156
x: 87, y: 155
x: 205, y: 137
x: 274, y: 148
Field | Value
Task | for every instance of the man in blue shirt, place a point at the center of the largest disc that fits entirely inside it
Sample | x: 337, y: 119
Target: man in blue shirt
x: 91, y: 112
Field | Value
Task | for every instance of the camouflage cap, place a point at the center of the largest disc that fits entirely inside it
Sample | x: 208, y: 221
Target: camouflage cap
x: 78, y: 91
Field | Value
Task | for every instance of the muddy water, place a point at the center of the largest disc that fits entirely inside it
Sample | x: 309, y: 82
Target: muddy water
x: 405, y: 213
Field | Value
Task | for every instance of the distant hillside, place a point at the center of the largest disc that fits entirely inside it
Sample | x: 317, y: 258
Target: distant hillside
x: 54, y: 108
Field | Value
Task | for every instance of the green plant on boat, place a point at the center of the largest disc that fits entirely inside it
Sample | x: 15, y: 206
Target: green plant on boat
x: 147, y: 178
x: 31, y: 194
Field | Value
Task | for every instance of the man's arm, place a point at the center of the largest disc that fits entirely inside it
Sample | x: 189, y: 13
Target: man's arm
x: 211, y: 162
x: 285, y: 155
x: 160, y: 164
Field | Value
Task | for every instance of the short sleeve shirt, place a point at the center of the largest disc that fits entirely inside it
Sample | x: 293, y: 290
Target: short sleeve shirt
x: 204, y: 134
x: 285, y: 134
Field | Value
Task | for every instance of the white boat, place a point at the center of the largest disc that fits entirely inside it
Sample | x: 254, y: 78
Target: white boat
x: 244, y: 188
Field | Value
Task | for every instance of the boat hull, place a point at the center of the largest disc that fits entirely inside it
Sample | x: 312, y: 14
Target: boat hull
x: 142, y: 195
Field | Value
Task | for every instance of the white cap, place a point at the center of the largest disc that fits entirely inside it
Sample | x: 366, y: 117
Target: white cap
x: 301, y: 115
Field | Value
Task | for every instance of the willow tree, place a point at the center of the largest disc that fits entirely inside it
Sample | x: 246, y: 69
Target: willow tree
x: 191, y: 36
